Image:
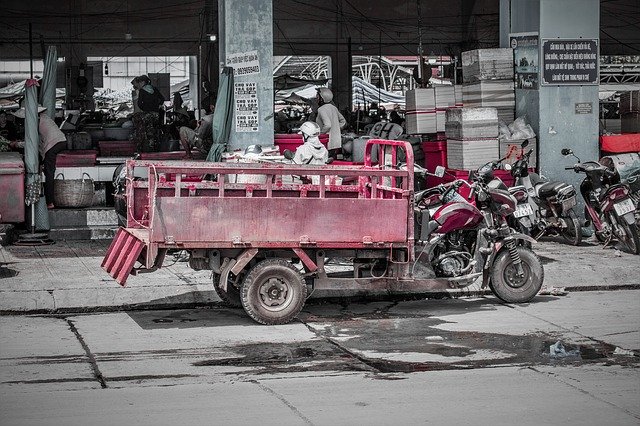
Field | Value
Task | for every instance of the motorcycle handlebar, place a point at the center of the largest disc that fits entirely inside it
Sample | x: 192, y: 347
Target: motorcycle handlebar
x: 568, y: 168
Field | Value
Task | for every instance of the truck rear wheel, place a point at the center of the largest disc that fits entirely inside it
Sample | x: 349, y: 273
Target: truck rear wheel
x: 273, y: 292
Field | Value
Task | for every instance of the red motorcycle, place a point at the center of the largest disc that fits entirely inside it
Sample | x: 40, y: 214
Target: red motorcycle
x: 462, y: 236
x: 608, y: 204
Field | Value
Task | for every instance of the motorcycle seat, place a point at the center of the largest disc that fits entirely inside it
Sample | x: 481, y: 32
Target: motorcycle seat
x: 550, y: 188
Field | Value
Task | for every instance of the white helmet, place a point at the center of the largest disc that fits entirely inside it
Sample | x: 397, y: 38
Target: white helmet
x: 326, y: 94
x: 308, y: 129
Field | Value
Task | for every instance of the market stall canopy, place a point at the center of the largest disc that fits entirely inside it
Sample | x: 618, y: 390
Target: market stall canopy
x: 287, y: 82
x: 17, y: 90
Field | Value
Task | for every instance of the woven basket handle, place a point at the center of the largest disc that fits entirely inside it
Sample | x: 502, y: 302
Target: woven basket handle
x: 60, y: 174
x: 87, y: 175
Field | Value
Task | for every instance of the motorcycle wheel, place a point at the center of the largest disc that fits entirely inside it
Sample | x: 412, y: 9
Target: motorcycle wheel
x: 631, y: 241
x: 506, y: 284
x: 573, y: 232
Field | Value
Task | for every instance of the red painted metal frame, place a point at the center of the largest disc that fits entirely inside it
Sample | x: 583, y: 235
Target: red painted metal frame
x: 376, y: 213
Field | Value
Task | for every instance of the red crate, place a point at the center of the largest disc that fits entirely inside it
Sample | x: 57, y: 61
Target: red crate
x: 117, y: 148
x: 168, y: 155
x: 435, y: 154
x: 292, y: 141
x: 79, y: 158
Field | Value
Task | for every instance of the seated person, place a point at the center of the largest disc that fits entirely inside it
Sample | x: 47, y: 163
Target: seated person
x: 311, y: 151
x: 200, y: 138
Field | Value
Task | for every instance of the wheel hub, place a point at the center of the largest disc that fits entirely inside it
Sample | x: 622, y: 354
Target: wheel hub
x: 273, y: 292
x: 514, y: 279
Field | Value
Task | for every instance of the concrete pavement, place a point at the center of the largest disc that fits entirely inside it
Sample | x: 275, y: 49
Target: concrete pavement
x: 67, y: 277
x: 461, y: 361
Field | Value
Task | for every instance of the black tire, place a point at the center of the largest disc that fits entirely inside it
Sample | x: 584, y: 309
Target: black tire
x: 230, y: 297
x: 273, y: 292
x: 573, y: 232
x: 631, y: 241
x: 510, y: 288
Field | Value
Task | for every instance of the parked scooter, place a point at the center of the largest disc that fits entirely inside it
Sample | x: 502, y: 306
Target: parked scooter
x: 608, y: 204
x: 461, y: 236
x: 544, y: 207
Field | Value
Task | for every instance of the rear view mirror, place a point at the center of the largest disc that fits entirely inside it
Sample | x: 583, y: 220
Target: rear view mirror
x: 566, y: 151
x: 439, y: 171
x: 525, y: 143
x: 288, y: 154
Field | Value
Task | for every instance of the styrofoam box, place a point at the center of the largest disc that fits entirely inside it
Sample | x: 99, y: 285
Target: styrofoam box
x: 497, y: 94
x: 471, y: 123
x: 420, y: 122
x: 470, y: 155
x: 487, y: 64
x: 419, y: 99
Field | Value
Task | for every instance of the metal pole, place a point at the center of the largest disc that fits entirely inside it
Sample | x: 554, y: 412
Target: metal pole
x: 33, y: 205
x: 199, y: 79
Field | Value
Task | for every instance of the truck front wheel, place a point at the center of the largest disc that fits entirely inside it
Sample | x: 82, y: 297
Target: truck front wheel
x: 273, y: 292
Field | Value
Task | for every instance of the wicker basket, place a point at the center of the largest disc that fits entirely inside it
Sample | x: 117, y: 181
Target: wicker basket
x: 73, y: 192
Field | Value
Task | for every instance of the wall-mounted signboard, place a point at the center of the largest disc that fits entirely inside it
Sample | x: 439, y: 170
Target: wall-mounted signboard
x: 525, y: 59
x: 569, y: 62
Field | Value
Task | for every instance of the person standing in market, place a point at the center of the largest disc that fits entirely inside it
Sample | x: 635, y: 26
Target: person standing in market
x: 52, y: 142
x: 147, y: 122
x: 330, y: 120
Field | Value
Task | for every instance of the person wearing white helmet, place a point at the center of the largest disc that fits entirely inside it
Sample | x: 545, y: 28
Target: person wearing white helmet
x: 311, y: 151
x: 330, y: 120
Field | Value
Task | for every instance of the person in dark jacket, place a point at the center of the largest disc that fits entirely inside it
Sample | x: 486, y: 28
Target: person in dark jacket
x: 147, y: 122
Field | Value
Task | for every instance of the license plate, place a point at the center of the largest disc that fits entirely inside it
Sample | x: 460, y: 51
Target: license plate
x: 523, y: 210
x: 568, y: 203
x: 624, y: 207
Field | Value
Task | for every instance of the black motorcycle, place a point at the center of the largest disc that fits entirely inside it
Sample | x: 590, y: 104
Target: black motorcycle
x: 608, y: 204
x: 544, y: 207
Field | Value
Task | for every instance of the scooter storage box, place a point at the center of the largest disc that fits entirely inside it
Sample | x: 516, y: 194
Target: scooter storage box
x: 11, y: 187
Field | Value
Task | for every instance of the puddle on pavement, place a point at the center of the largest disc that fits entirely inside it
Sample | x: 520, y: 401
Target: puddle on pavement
x: 269, y: 358
x: 372, y: 351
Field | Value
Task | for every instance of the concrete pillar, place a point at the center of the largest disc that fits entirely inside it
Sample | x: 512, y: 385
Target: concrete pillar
x: 246, y: 31
x: 553, y: 110
x: 505, y: 22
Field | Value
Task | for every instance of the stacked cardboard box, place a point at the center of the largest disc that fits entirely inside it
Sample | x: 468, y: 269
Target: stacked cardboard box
x: 445, y: 99
x: 488, y: 81
x: 458, y: 94
x: 472, y: 137
x: 426, y: 109
x: 487, y: 64
x: 498, y: 94
x: 421, y: 111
